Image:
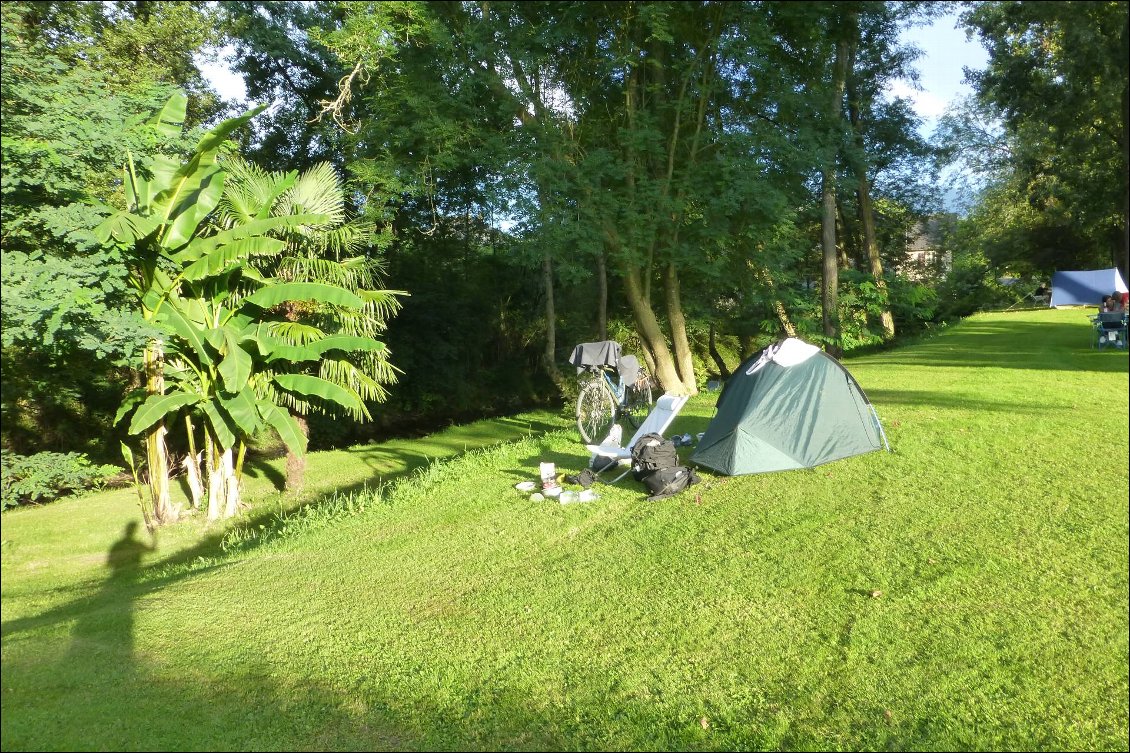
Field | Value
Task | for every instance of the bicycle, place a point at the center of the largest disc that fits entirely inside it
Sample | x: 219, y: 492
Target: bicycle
x: 602, y: 400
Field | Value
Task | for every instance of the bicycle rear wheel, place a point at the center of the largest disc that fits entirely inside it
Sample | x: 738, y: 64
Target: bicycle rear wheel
x: 638, y: 400
x: 596, y: 410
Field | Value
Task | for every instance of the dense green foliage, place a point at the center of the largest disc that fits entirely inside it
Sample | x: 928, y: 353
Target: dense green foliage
x: 77, y: 91
x: 48, y: 475
x: 967, y: 591
x: 1048, y: 135
x: 538, y: 174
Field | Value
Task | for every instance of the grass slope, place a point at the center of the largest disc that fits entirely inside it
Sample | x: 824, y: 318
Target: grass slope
x: 968, y: 591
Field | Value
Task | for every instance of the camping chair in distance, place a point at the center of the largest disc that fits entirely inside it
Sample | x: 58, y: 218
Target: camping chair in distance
x: 1109, y: 329
x: 611, y: 453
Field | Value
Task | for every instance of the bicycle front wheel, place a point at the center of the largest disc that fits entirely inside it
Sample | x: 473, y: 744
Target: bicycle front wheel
x: 596, y: 410
x: 638, y: 400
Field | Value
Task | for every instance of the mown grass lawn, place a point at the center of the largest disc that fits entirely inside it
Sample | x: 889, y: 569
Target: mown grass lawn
x: 968, y: 591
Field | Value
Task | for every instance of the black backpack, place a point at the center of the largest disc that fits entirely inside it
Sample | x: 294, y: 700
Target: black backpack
x: 669, y: 481
x: 652, y: 453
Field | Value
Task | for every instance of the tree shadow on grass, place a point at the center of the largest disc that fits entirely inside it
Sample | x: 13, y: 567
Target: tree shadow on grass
x: 262, y: 466
x: 1044, y: 346
x: 96, y: 693
x: 947, y: 401
x: 92, y: 690
x: 389, y: 463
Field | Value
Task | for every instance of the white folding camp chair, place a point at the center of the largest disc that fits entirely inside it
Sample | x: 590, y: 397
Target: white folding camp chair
x: 660, y: 418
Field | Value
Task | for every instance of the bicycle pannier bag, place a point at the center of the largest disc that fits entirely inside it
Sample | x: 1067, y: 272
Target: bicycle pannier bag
x: 669, y: 481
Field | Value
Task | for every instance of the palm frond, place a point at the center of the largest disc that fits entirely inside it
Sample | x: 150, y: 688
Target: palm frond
x: 247, y: 188
x: 310, y: 269
x: 287, y: 399
x: 354, y: 378
x: 381, y: 304
x: 317, y: 191
x: 342, y: 240
x: 295, y: 333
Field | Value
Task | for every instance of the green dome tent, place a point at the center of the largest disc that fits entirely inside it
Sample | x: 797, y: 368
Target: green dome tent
x: 789, y: 406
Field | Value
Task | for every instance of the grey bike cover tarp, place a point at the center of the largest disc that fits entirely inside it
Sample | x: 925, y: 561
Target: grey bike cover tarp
x: 604, y: 353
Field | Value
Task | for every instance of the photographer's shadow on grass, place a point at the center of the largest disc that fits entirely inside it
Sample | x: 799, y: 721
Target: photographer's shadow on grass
x: 124, y: 557
x: 103, y: 621
x: 104, y: 627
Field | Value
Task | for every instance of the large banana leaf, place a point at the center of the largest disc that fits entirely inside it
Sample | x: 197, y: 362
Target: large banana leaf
x: 248, y: 272
x: 159, y: 287
x: 144, y: 183
x: 176, y: 316
x: 312, y: 386
x: 169, y: 121
x: 193, y: 179
x: 222, y: 258
x: 124, y: 227
x: 157, y: 407
x: 132, y: 399
x: 221, y: 425
x: 199, y: 196
x: 242, y: 408
x: 316, y: 350
x: 202, y: 246
x: 304, y: 291
x: 235, y: 369
x: 268, y: 225
x: 213, y: 139
x: 282, y: 422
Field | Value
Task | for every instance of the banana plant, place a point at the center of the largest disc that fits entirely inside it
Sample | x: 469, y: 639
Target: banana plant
x: 227, y: 368
x: 195, y: 282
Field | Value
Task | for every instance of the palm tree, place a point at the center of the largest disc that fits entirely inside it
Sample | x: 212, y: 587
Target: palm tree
x: 328, y: 252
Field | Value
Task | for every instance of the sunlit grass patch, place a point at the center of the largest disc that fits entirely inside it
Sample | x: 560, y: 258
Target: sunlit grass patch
x: 968, y: 590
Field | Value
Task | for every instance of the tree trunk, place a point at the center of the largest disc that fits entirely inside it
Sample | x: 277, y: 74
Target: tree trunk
x: 684, y: 362
x: 231, y: 484
x: 871, y: 248
x: 549, y: 356
x: 766, y: 279
x: 719, y: 361
x: 844, y: 238
x: 830, y: 295
x: 863, y: 193
x: 745, y: 342
x: 1126, y: 172
x: 296, y: 464
x: 156, y: 452
x: 601, y: 296
x: 648, y: 327
x: 830, y: 291
x: 215, y: 478
x: 192, y: 467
